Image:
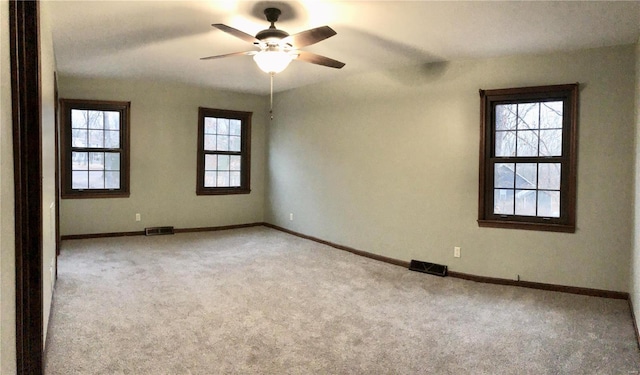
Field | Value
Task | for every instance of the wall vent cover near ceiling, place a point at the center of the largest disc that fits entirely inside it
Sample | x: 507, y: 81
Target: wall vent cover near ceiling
x: 154, y: 231
x: 430, y: 268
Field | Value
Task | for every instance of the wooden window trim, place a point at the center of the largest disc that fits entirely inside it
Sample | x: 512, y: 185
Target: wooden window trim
x: 66, y: 105
x: 488, y: 98
x: 26, y: 90
x: 245, y: 152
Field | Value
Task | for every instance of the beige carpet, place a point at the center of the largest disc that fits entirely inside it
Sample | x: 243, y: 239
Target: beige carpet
x: 258, y: 301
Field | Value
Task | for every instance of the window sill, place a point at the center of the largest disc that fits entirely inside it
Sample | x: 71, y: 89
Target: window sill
x: 94, y: 194
x: 527, y: 226
x: 222, y: 191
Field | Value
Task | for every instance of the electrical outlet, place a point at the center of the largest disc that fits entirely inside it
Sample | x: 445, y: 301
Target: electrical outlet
x: 456, y: 252
x: 291, y: 217
x: 137, y: 217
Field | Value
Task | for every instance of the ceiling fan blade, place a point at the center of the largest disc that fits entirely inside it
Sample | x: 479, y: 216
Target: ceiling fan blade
x: 320, y: 60
x: 237, y: 33
x: 309, y: 37
x: 229, y: 54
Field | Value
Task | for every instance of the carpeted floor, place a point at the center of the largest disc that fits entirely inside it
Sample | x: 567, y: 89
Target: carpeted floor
x: 259, y: 301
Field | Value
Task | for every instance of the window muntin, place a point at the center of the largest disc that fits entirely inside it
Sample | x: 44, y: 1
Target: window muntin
x: 223, y: 152
x: 528, y: 158
x: 95, y: 148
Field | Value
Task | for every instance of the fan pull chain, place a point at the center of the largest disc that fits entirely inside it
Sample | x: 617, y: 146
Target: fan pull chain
x: 271, y: 97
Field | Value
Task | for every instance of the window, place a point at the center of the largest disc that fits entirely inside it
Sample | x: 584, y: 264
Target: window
x: 94, y: 148
x: 528, y: 158
x: 224, y: 143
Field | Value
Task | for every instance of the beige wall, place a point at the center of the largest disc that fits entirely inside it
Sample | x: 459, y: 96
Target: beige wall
x: 47, y: 69
x: 164, y: 120
x: 634, y: 285
x: 387, y: 162
x: 7, y: 239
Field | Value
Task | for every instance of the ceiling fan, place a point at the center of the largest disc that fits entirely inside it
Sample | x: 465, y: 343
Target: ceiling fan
x: 278, y: 48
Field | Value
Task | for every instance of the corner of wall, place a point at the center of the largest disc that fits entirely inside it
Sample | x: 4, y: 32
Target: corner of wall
x: 634, y: 288
x: 47, y: 72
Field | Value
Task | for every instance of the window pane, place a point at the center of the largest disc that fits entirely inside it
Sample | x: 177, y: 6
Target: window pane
x: 96, y: 138
x: 505, y: 143
x: 506, y: 116
x: 223, y: 126
x: 223, y: 162
x: 551, y: 115
x: 234, y: 179
x: 549, y: 203
x: 526, y: 175
x: 111, y: 139
x: 528, y: 115
x: 526, y: 202
x: 210, y: 162
x: 78, y: 138
x: 503, y: 202
x: 234, y: 163
x: 111, y: 120
x: 549, y: 176
x: 234, y: 143
x: 79, y: 161
x: 96, y: 120
x: 79, y: 180
x: 96, y: 161
x: 209, y: 125
x: 551, y: 142
x: 527, y: 143
x: 96, y: 180
x: 504, y: 175
x: 112, y: 161
x: 223, y: 179
x: 209, y: 179
x: 112, y: 180
x: 234, y: 127
x: 222, y: 142
x: 210, y: 142
x: 78, y: 118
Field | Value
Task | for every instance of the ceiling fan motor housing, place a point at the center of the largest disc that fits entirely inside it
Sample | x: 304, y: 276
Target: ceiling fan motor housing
x: 271, y: 35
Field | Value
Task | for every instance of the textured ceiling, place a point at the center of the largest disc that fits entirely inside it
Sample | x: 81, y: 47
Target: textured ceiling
x: 165, y: 39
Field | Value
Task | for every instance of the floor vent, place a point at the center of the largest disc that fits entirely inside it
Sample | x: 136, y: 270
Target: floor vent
x: 430, y: 268
x: 155, y: 231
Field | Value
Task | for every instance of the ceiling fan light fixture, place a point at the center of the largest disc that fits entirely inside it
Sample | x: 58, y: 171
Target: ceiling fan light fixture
x: 272, y: 62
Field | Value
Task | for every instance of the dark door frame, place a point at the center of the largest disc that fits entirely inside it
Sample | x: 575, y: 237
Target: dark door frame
x: 27, y: 155
x: 57, y: 173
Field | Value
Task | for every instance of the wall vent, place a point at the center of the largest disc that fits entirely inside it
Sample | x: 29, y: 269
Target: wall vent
x: 430, y: 268
x: 155, y: 231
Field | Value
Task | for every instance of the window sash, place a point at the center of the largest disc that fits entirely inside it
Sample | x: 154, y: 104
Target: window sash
x: 490, y: 200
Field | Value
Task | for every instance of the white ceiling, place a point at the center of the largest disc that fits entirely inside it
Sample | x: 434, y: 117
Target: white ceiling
x: 165, y: 39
